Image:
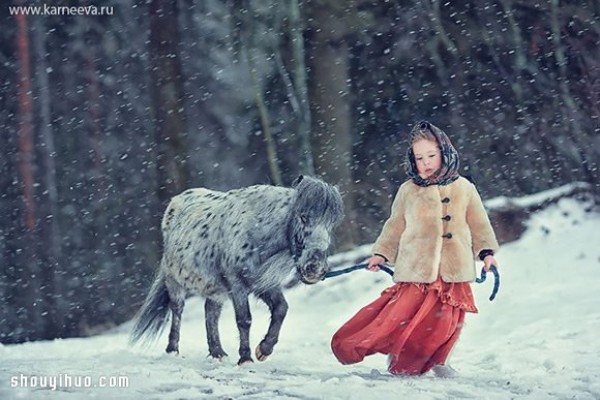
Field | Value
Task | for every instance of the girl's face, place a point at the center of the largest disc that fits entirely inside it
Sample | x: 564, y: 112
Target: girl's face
x: 428, y: 157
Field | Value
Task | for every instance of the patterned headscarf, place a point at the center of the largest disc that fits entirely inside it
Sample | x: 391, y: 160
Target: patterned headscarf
x: 448, y: 172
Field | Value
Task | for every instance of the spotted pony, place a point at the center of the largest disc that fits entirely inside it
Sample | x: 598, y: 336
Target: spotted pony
x: 232, y: 244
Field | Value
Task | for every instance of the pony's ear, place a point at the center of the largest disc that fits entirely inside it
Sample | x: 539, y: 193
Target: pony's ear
x: 298, y: 180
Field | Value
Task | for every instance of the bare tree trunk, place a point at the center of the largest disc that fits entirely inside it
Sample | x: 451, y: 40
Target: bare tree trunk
x: 107, y: 287
x: 442, y: 40
x: 433, y: 8
x: 520, y: 55
x: 330, y: 101
x: 301, y: 89
x: 29, y: 298
x: 49, y: 246
x: 245, y: 35
x: 94, y: 117
x: 265, y: 121
x: 93, y: 107
x: 167, y: 99
x: 25, y: 131
x: 575, y: 132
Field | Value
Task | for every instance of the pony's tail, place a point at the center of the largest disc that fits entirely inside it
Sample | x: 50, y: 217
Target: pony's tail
x: 151, y: 318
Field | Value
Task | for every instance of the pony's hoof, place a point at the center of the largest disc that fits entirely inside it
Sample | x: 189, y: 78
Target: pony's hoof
x: 245, y: 361
x: 218, y: 354
x: 172, y: 349
x: 218, y: 358
x: 259, y: 354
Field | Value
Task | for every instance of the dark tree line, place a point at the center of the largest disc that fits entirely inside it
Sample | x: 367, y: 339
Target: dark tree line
x: 103, y: 118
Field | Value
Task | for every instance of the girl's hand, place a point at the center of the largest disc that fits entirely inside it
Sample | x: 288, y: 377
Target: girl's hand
x: 488, y: 261
x: 374, y: 263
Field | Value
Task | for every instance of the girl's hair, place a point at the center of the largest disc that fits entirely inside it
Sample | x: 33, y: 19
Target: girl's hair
x: 422, y: 132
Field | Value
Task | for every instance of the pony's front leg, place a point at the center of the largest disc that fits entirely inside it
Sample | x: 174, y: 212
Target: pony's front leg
x: 243, y: 318
x: 278, y: 306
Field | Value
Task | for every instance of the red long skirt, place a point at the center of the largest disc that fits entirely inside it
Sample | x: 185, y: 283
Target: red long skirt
x: 416, y: 324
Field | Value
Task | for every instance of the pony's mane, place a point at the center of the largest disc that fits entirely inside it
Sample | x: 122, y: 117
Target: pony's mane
x: 315, y: 195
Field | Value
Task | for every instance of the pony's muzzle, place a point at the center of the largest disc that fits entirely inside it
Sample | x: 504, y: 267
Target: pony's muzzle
x: 313, y: 272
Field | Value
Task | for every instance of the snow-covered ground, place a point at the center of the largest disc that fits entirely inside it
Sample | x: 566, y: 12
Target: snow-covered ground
x: 540, y: 338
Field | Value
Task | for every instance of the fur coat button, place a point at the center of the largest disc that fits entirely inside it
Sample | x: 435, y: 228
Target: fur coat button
x: 447, y: 235
x: 446, y: 200
x: 446, y: 218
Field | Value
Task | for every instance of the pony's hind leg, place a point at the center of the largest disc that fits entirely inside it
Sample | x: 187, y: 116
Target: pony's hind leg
x: 176, y: 303
x: 278, y: 307
x: 212, y: 312
x: 243, y: 318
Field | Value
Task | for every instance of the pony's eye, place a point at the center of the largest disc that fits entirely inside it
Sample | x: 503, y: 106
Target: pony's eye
x: 304, y: 218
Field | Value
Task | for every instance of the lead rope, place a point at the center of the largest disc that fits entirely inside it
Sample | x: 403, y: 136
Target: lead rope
x: 493, y: 268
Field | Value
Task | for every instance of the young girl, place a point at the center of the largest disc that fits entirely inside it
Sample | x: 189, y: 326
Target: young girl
x: 437, y: 227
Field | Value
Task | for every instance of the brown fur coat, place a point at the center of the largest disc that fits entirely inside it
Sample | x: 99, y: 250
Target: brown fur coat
x: 436, y: 230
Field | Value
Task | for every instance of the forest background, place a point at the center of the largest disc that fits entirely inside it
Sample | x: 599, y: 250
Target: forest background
x: 104, y: 117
